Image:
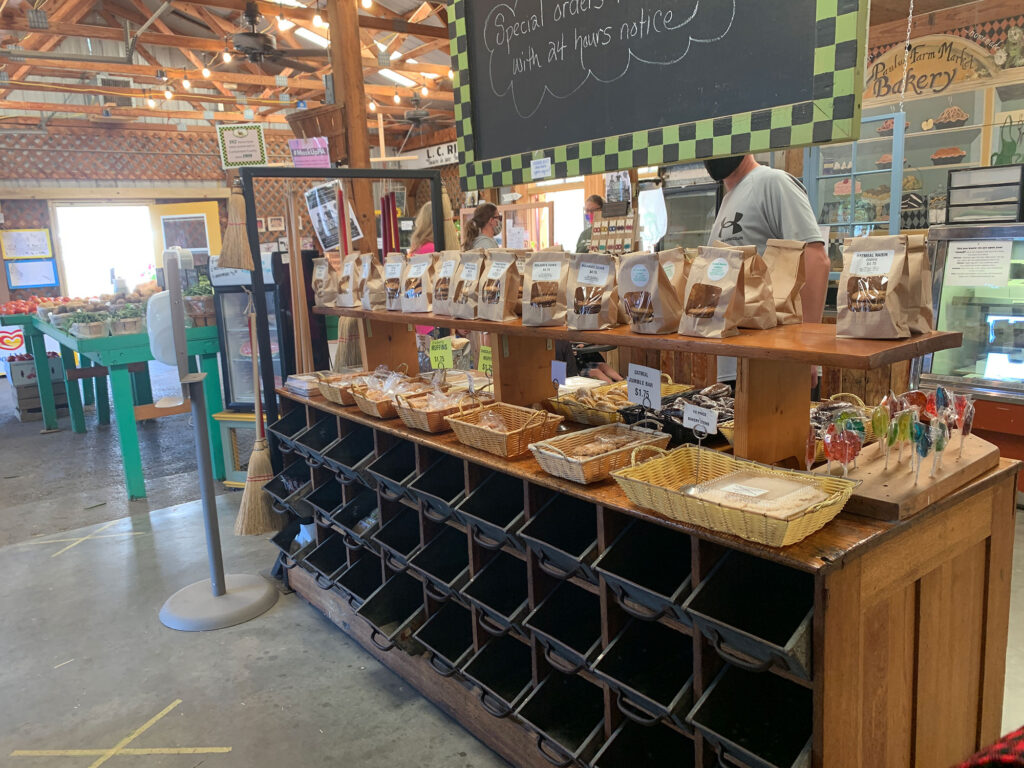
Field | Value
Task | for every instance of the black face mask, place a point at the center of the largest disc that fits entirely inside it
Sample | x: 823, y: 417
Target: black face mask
x: 721, y: 167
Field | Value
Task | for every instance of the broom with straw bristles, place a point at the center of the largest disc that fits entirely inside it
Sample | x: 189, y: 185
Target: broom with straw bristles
x: 255, y: 515
x: 234, y: 249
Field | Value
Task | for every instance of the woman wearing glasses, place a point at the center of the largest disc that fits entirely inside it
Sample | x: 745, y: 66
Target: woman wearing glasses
x: 481, y: 230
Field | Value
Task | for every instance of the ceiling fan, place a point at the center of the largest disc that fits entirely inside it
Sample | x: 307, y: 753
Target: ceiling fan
x: 419, y: 115
x: 259, y: 47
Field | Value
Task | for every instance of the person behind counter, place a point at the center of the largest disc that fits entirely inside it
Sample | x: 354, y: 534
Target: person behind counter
x: 593, y: 205
x: 481, y: 230
x: 762, y: 204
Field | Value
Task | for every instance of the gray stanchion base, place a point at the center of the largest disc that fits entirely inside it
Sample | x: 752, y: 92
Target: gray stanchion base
x: 194, y: 608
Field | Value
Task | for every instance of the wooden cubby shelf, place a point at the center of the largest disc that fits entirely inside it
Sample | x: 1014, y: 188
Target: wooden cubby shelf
x: 888, y: 637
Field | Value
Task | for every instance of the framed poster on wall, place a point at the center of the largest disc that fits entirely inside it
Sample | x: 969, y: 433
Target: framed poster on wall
x: 32, y: 273
x: 25, y: 244
x: 597, y: 86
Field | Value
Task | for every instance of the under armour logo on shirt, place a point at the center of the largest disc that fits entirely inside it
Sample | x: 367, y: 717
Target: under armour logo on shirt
x: 733, y: 225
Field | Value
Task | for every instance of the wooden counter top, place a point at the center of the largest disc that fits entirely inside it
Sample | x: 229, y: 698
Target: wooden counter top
x: 826, y: 549
x: 805, y: 343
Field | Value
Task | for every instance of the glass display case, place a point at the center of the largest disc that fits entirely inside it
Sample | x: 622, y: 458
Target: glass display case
x: 690, y: 212
x: 855, y: 188
x: 978, y: 289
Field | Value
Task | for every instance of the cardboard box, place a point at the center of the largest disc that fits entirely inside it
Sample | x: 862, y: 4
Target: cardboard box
x: 22, y: 372
x: 36, y: 414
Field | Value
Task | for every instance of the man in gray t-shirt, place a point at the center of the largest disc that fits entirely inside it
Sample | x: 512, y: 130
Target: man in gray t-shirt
x: 762, y: 204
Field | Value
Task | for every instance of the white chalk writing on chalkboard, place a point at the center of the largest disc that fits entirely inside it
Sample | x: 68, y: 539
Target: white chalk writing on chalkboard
x: 572, y: 41
x: 25, y: 243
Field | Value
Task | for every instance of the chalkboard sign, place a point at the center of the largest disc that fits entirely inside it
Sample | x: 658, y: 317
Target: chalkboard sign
x: 601, y: 85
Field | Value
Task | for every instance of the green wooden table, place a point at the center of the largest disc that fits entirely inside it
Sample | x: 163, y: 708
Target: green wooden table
x: 132, y: 393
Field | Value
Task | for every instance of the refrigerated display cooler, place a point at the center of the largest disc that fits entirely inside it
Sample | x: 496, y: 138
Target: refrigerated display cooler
x: 978, y: 289
x: 231, y: 300
x: 691, y: 203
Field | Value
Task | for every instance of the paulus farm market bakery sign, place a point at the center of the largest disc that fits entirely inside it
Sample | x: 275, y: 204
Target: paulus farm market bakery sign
x: 934, y: 63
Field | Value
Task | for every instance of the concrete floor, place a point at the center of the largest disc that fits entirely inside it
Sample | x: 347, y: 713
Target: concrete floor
x: 59, y: 481
x: 87, y: 663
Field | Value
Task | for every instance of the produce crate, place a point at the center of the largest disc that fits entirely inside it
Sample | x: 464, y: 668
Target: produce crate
x: 20, y: 372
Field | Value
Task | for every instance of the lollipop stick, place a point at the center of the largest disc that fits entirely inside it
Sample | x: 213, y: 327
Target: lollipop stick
x: 917, y: 474
x: 846, y: 469
x: 935, y: 460
x: 961, y: 454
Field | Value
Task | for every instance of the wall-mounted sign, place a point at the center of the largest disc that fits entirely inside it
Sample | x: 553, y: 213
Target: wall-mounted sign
x: 241, y: 145
x: 25, y: 244
x: 600, y: 86
x: 310, y: 153
x: 433, y: 156
x: 934, y: 63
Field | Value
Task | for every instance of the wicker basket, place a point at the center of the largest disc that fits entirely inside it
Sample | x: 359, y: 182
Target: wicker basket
x: 380, y: 409
x: 527, y: 426
x: 415, y: 415
x: 201, y: 310
x: 339, y: 391
x: 728, y: 428
x: 573, y: 410
x: 90, y: 330
x: 551, y: 454
x: 124, y: 326
x: 656, y: 485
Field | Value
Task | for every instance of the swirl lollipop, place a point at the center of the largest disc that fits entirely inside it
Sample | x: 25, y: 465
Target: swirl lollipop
x: 940, y: 439
x: 843, y: 444
x: 966, y: 424
x: 922, y: 446
x: 917, y: 400
x: 880, y: 426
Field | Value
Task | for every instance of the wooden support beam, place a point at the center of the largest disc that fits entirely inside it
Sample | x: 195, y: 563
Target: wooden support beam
x: 350, y: 90
x: 96, y: 109
x: 387, y: 91
x: 34, y: 86
x: 68, y: 29
x: 71, y: 11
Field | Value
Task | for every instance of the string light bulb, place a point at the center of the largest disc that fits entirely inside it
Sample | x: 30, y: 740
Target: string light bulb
x: 424, y: 90
x: 398, y: 99
x: 451, y: 75
x: 281, y: 22
x: 186, y: 83
x: 367, y: 4
x: 373, y: 106
x: 318, y: 20
x: 206, y: 72
x: 168, y: 94
x: 226, y: 56
x: 151, y: 102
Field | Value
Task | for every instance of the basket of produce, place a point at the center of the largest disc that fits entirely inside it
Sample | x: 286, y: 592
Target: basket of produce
x: 89, y: 325
x: 128, y: 319
x: 592, y: 454
x: 503, y: 429
x: 602, y: 405
x: 199, y: 304
x: 427, y: 412
x: 337, y: 387
x: 756, y: 502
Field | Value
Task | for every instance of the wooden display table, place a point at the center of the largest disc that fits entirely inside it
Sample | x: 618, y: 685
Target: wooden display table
x: 907, y: 620
x: 125, y: 359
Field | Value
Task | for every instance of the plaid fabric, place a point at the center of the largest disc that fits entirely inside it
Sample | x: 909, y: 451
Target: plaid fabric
x: 1009, y: 750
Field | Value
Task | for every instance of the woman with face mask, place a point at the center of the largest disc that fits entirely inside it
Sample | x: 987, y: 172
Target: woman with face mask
x: 481, y: 230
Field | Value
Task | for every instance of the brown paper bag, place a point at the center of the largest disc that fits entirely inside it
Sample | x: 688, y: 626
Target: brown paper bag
x: 544, y: 281
x: 591, y: 298
x: 349, y: 282
x: 521, y: 256
x: 394, y: 267
x: 372, y: 295
x: 874, y: 289
x: 646, y: 294
x: 758, y: 299
x: 444, y: 282
x: 676, y: 263
x: 417, y: 279
x: 920, y: 317
x: 466, y: 291
x: 324, y: 281
x: 499, y: 287
x: 714, y: 294
x: 785, y: 260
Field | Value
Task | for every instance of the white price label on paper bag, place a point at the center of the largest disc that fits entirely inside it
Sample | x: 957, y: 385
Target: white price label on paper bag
x: 644, y: 386
x: 700, y: 419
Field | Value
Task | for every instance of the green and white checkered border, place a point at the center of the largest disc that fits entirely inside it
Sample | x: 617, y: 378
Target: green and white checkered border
x: 831, y: 115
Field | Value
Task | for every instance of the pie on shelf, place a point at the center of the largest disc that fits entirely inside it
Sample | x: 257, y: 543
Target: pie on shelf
x: 948, y: 156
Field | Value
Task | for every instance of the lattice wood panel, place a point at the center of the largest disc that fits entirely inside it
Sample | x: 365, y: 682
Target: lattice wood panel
x: 83, y: 154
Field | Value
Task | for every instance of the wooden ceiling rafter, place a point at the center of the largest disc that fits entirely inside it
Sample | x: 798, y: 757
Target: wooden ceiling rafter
x: 96, y: 109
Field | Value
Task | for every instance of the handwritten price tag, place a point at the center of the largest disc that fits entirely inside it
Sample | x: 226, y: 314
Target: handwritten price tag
x: 558, y: 371
x: 485, y: 363
x: 441, y: 354
x: 644, y: 386
x: 700, y: 419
